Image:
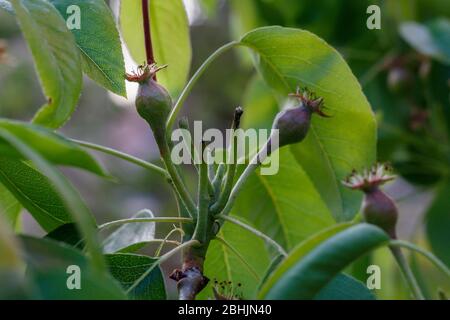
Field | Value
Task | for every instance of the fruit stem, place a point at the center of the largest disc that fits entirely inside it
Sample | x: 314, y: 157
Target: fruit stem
x: 176, y: 180
x: 407, y: 272
x: 188, y: 88
x: 147, y: 34
x: 438, y: 263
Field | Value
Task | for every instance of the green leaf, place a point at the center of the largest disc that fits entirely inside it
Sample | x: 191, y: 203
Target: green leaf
x: 222, y: 264
x: 170, y: 39
x: 131, y: 236
x: 438, y: 224
x: 127, y: 268
x: 305, y: 277
x: 47, y: 266
x: 67, y: 233
x: 299, y: 252
x: 52, y: 146
x: 98, y: 42
x: 272, y: 267
x: 9, y: 207
x: 344, y: 287
x: 335, y: 146
x: 56, y: 58
x: 35, y: 192
x: 289, y: 208
x: 431, y: 39
x: 71, y: 199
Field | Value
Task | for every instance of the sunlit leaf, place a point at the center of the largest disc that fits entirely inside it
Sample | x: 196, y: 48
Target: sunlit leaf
x: 98, y: 42
x: 288, y: 58
x: 170, y: 39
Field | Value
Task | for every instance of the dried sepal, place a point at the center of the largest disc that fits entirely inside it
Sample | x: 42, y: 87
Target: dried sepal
x: 144, y: 72
x: 310, y: 101
x: 369, y: 179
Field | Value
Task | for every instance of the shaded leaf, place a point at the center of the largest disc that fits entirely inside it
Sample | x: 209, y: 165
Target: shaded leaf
x: 67, y: 233
x: 288, y: 58
x: 52, y: 146
x: 127, y: 268
x: 70, y: 197
x: 131, y: 236
x: 305, y: 278
x: 170, y: 39
x: 47, y: 267
x: 438, y: 224
x: 344, y: 287
x: 98, y: 42
x: 35, y: 192
x: 56, y: 58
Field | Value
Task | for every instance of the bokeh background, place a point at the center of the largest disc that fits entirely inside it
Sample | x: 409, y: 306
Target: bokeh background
x: 403, y: 69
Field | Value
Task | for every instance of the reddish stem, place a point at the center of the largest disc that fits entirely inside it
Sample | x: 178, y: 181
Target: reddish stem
x: 147, y: 34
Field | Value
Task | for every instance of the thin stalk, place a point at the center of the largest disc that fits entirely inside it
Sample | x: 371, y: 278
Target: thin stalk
x: 147, y: 34
x: 120, y: 222
x: 256, y: 232
x: 201, y: 230
x: 438, y: 263
x: 252, y: 166
x: 407, y: 273
x: 162, y: 259
x: 166, y: 239
x: 177, y: 181
x: 188, y: 88
x: 239, y: 256
x: 123, y: 156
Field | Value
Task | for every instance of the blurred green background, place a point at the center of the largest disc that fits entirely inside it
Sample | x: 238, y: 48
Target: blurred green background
x: 403, y: 69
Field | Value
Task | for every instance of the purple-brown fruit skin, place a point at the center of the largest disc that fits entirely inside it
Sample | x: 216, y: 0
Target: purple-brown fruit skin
x: 293, y: 125
x: 379, y: 209
x: 153, y: 103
